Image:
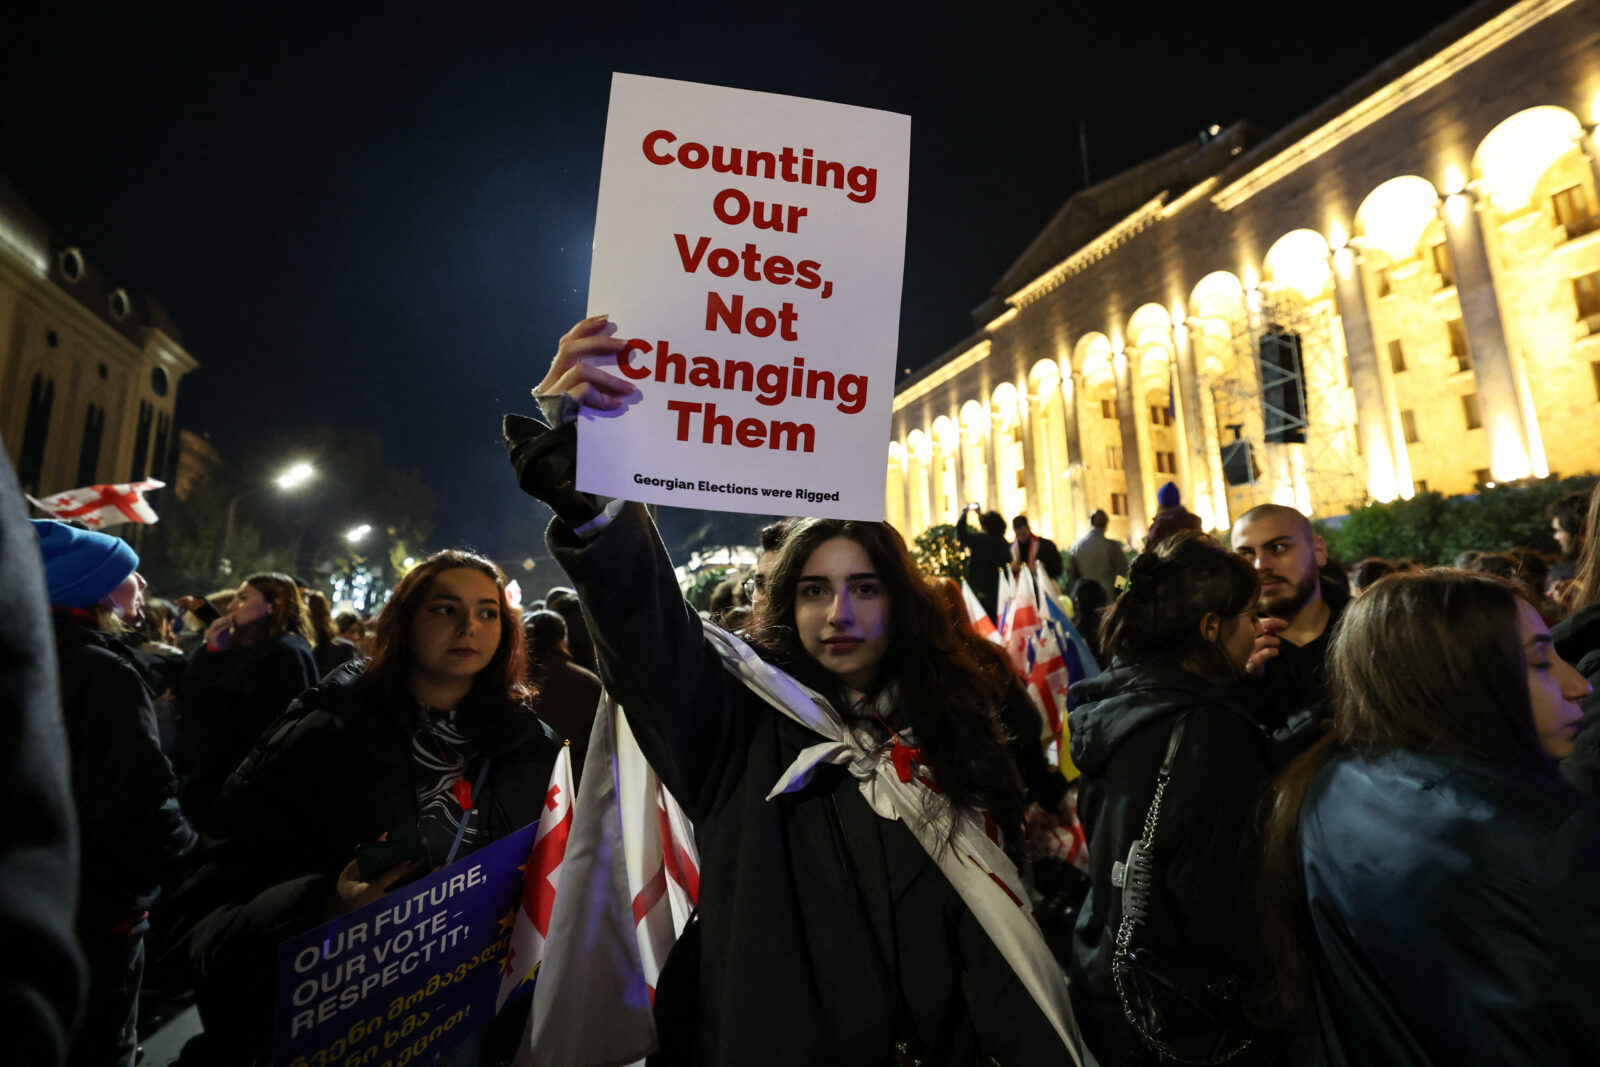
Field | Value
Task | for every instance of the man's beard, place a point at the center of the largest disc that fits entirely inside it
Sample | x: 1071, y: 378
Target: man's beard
x: 1287, y: 605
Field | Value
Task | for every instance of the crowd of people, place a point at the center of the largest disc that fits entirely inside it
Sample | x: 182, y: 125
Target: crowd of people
x: 1340, y: 815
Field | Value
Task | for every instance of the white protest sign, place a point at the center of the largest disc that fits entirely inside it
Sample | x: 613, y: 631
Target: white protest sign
x: 750, y: 248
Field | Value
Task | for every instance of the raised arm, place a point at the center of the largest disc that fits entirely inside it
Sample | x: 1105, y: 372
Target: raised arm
x: 681, y: 704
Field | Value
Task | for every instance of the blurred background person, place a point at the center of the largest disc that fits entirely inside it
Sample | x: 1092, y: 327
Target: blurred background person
x: 1363, y: 572
x: 131, y: 829
x: 1577, y: 640
x: 1569, y: 525
x: 580, y: 646
x: 1171, y: 517
x: 1029, y: 548
x: 1089, y: 603
x: 257, y: 658
x: 565, y: 694
x: 987, y: 552
x: 1433, y: 888
x: 1098, y: 558
x: 329, y: 650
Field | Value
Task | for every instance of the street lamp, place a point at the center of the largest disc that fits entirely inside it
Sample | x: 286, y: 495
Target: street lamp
x: 292, y: 478
x: 295, y: 476
x: 357, y: 533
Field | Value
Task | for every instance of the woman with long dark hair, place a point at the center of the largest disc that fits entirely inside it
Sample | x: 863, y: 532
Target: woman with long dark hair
x: 432, y: 743
x: 1433, y: 887
x: 1183, y: 629
x: 256, y: 659
x: 848, y: 892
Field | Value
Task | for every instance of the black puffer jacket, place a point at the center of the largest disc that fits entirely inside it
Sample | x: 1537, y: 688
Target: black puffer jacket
x: 131, y: 831
x: 333, y: 772
x: 1206, y: 846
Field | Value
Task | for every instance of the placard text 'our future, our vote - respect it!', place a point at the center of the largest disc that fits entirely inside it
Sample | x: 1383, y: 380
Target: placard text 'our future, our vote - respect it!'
x: 749, y: 248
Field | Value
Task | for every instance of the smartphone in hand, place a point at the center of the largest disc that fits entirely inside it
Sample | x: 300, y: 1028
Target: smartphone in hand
x: 374, y: 858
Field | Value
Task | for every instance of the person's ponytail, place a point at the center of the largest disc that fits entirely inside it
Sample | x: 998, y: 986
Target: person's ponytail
x: 1168, y: 593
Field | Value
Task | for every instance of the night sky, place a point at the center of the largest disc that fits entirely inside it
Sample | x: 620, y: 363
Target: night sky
x: 379, y: 216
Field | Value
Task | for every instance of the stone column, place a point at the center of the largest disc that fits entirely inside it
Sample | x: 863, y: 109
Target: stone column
x: 1071, y: 389
x: 1200, y: 446
x: 1379, y: 445
x: 1510, y: 457
x: 1148, y: 475
x: 1031, y: 499
x: 1591, y: 152
x: 1128, y: 411
x: 991, y: 479
x: 905, y: 493
x: 961, y: 467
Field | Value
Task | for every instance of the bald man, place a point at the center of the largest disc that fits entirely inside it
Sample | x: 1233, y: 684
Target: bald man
x: 1299, y: 609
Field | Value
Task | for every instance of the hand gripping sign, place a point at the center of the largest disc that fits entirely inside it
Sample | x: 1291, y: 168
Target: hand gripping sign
x: 414, y: 972
x: 750, y: 248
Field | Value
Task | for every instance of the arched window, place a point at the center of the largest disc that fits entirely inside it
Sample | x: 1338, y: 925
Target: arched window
x: 141, y: 441
x: 30, y: 461
x: 94, y: 427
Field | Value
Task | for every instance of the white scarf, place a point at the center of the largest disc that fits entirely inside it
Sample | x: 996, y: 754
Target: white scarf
x: 975, y: 865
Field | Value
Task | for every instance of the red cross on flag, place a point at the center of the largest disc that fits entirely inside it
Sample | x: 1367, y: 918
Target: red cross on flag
x: 1021, y: 622
x: 982, y: 625
x: 540, y: 878
x: 98, y: 506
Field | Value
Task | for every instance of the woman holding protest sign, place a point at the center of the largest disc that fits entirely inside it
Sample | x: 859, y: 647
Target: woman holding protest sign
x: 406, y: 765
x: 852, y: 799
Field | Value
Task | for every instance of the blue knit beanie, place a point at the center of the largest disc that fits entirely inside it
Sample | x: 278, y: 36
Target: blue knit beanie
x: 82, y: 567
x: 1167, y: 496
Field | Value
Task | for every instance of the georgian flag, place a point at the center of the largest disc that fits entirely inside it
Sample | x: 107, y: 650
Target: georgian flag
x: 634, y: 882
x: 1020, y: 622
x: 1081, y: 663
x: 982, y: 625
x: 540, y: 878
x: 97, y: 506
x: 1005, y: 591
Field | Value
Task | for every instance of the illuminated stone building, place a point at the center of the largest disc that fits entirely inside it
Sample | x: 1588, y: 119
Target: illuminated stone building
x: 89, y: 373
x: 1418, y: 259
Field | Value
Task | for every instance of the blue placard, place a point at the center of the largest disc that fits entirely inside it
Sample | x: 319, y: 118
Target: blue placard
x: 410, y: 974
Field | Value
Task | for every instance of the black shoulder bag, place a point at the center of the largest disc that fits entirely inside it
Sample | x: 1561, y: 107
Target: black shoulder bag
x: 1179, y: 1004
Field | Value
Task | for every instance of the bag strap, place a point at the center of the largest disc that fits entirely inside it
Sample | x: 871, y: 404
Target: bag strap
x: 1147, y: 840
x: 902, y: 1032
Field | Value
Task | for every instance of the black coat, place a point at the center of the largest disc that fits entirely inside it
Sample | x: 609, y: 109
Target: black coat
x: 986, y: 554
x: 1207, y: 847
x: 1456, y: 909
x: 42, y: 976
x: 1290, y: 700
x: 132, y: 832
x: 333, y: 772
x: 1582, y: 768
x: 785, y: 974
x: 1577, y: 635
x: 1048, y: 555
x: 225, y: 701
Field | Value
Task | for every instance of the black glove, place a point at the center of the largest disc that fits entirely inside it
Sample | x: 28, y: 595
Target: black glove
x: 546, y: 462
